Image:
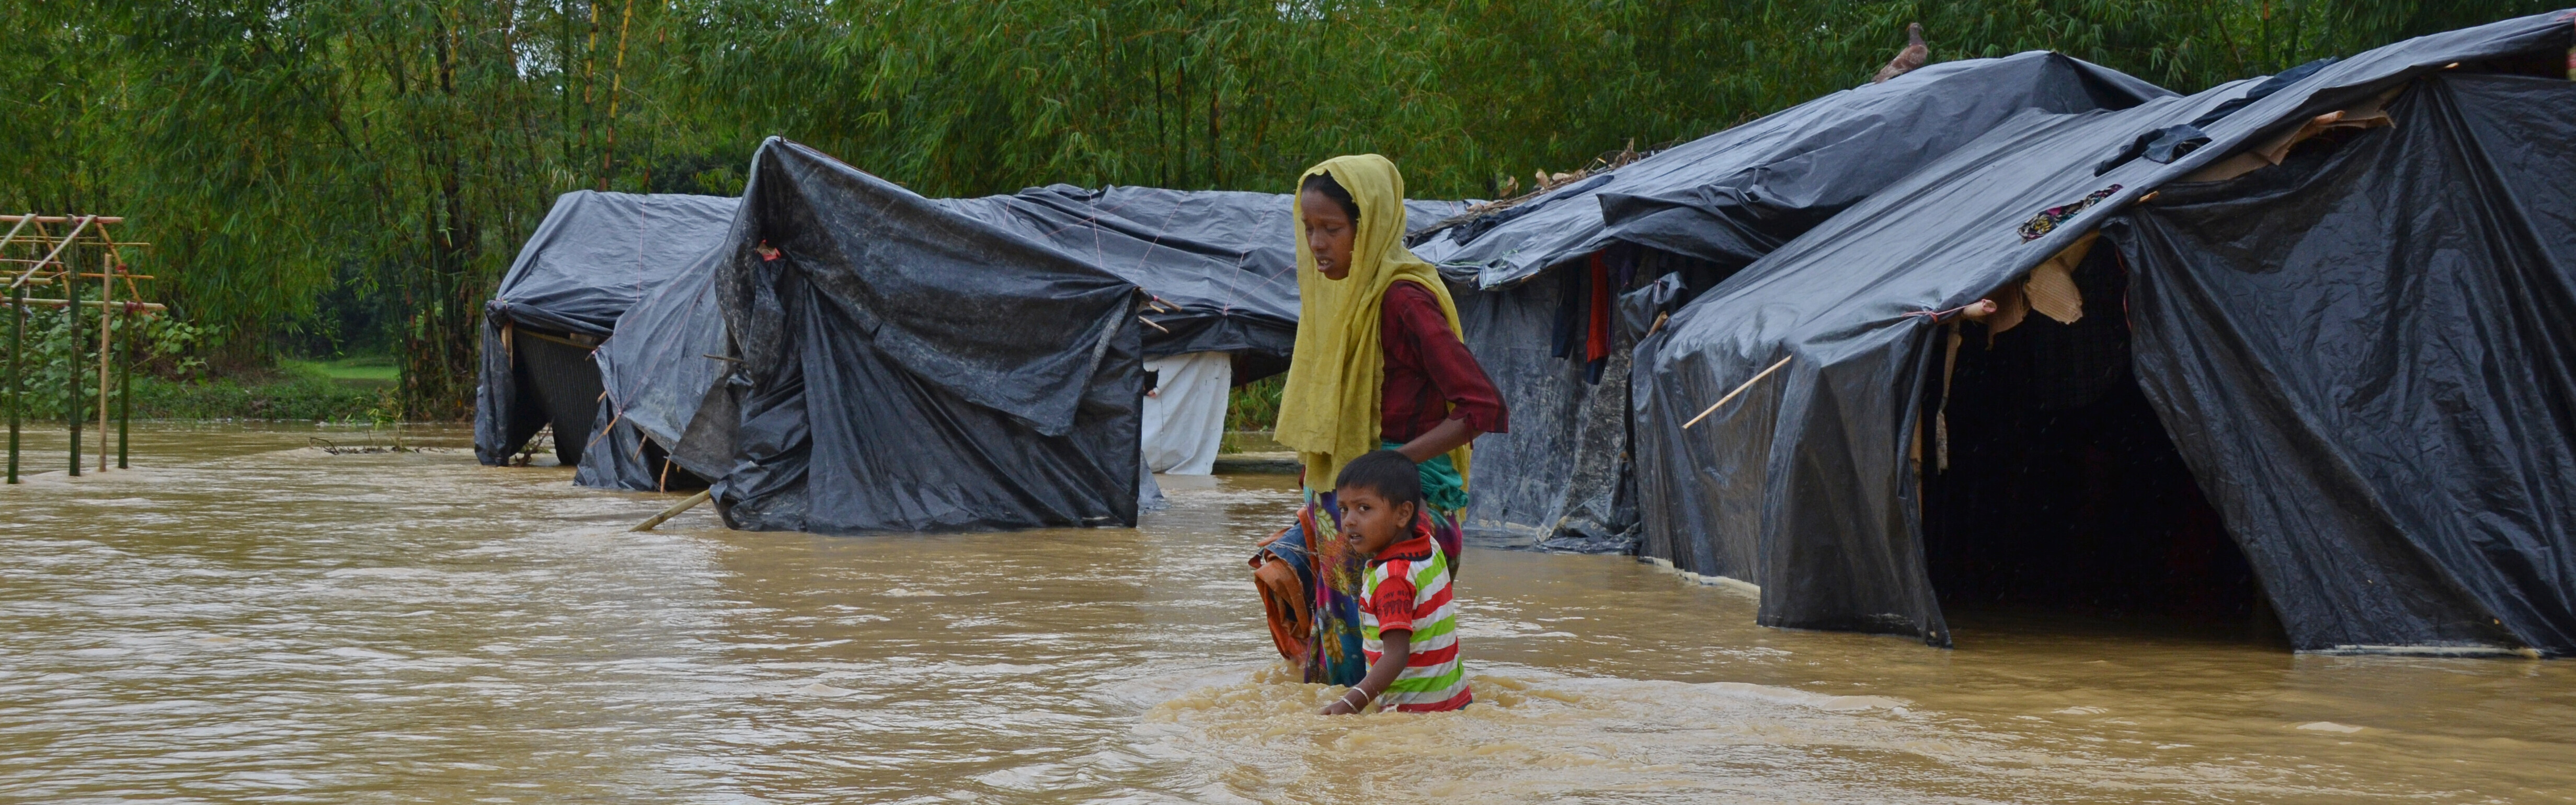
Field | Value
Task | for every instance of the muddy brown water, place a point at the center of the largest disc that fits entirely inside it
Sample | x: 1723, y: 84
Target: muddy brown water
x: 244, y: 619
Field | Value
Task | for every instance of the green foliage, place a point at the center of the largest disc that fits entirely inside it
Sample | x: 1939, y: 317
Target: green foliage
x: 336, y: 173
x: 295, y: 397
x: 1254, y: 405
x: 52, y: 360
x: 170, y: 381
x: 362, y: 369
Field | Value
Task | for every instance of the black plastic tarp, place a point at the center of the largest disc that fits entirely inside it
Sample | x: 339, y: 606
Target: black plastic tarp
x: 591, y: 258
x: 663, y: 377
x: 905, y: 368
x: 1733, y: 196
x: 2364, y: 365
x: 2375, y: 354
x: 1220, y: 264
x: 1711, y: 205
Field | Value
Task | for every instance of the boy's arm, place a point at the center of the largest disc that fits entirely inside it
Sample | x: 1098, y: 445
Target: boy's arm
x: 1390, y: 664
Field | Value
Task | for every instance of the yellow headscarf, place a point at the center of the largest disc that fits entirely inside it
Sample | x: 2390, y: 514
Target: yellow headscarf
x: 1336, y: 379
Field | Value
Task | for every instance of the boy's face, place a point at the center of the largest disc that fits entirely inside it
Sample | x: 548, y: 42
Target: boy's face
x: 1369, y: 523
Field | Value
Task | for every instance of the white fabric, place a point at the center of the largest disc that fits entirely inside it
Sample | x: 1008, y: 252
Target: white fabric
x: 1149, y: 495
x: 1185, y: 413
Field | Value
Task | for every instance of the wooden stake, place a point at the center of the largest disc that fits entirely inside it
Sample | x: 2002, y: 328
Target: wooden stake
x: 675, y: 510
x: 106, y: 289
x: 1712, y: 408
x: 72, y: 406
x: 125, y: 394
x: 17, y: 353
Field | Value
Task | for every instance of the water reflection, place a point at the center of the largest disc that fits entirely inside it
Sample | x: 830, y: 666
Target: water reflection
x: 243, y: 618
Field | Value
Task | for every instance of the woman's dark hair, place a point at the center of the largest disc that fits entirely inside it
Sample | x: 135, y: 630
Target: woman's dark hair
x: 1323, y: 183
x: 1386, y: 472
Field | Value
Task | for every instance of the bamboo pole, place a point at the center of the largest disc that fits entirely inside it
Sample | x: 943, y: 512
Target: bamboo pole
x: 13, y: 232
x: 151, y: 306
x: 674, y: 511
x: 72, y: 406
x: 106, y: 289
x: 17, y: 352
x: 102, y: 243
x: 62, y: 219
x: 125, y: 394
x: 57, y: 252
x: 1712, y: 407
x: 616, y: 84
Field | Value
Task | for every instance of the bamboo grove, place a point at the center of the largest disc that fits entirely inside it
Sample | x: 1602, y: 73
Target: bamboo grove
x: 361, y: 171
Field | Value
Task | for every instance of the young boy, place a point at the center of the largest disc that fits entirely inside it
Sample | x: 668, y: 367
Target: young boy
x: 1408, y: 627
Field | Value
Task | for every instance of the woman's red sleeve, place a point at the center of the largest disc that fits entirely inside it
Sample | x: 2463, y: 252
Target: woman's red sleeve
x: 1461, y: 380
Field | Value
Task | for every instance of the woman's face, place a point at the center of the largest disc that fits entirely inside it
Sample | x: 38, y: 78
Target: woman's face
x: 1329, y: 234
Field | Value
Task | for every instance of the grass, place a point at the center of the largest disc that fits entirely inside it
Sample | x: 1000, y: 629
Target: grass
x: 1249, y: 441
x: 1251, y: 410
x: 371, y: 370
x: 1254, y: 406
x: 340, y: 390
x: 299, y: 394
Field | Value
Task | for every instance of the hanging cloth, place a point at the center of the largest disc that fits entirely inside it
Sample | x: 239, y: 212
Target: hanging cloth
x: 1596, y: 333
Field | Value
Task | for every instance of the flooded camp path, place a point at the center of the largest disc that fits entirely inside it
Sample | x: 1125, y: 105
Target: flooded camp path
x: 246, y: 619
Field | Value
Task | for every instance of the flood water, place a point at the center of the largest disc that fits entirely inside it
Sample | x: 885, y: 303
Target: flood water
x: 242, y: 618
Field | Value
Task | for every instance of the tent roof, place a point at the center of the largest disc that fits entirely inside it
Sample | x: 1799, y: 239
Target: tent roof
x: 1732, y: 196
x: 1226, y: 259
x: 1948, y: 234
x: 596, y: 253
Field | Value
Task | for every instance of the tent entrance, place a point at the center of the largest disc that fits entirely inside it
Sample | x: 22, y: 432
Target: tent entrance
x: 558, y: 385
x: 2049, y: 482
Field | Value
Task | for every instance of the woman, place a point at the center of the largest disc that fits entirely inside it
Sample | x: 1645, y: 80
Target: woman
x: 1379, y: 364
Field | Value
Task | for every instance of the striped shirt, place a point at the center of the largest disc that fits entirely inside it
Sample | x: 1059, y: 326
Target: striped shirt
x: 1407, y: 589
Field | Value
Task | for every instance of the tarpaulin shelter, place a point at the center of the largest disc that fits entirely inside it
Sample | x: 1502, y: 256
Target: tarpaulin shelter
x: 1535, y: 282
x: 906, y: 368
x: 1222, y: 301
x: 591, y: 258
x: 1220, y: 266
x: 2338, y: 313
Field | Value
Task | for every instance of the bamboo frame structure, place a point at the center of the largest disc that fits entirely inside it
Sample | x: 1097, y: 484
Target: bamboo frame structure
x: 32, y: 255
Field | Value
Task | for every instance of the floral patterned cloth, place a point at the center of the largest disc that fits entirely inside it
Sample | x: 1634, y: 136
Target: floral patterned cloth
x: 2047, y: 220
